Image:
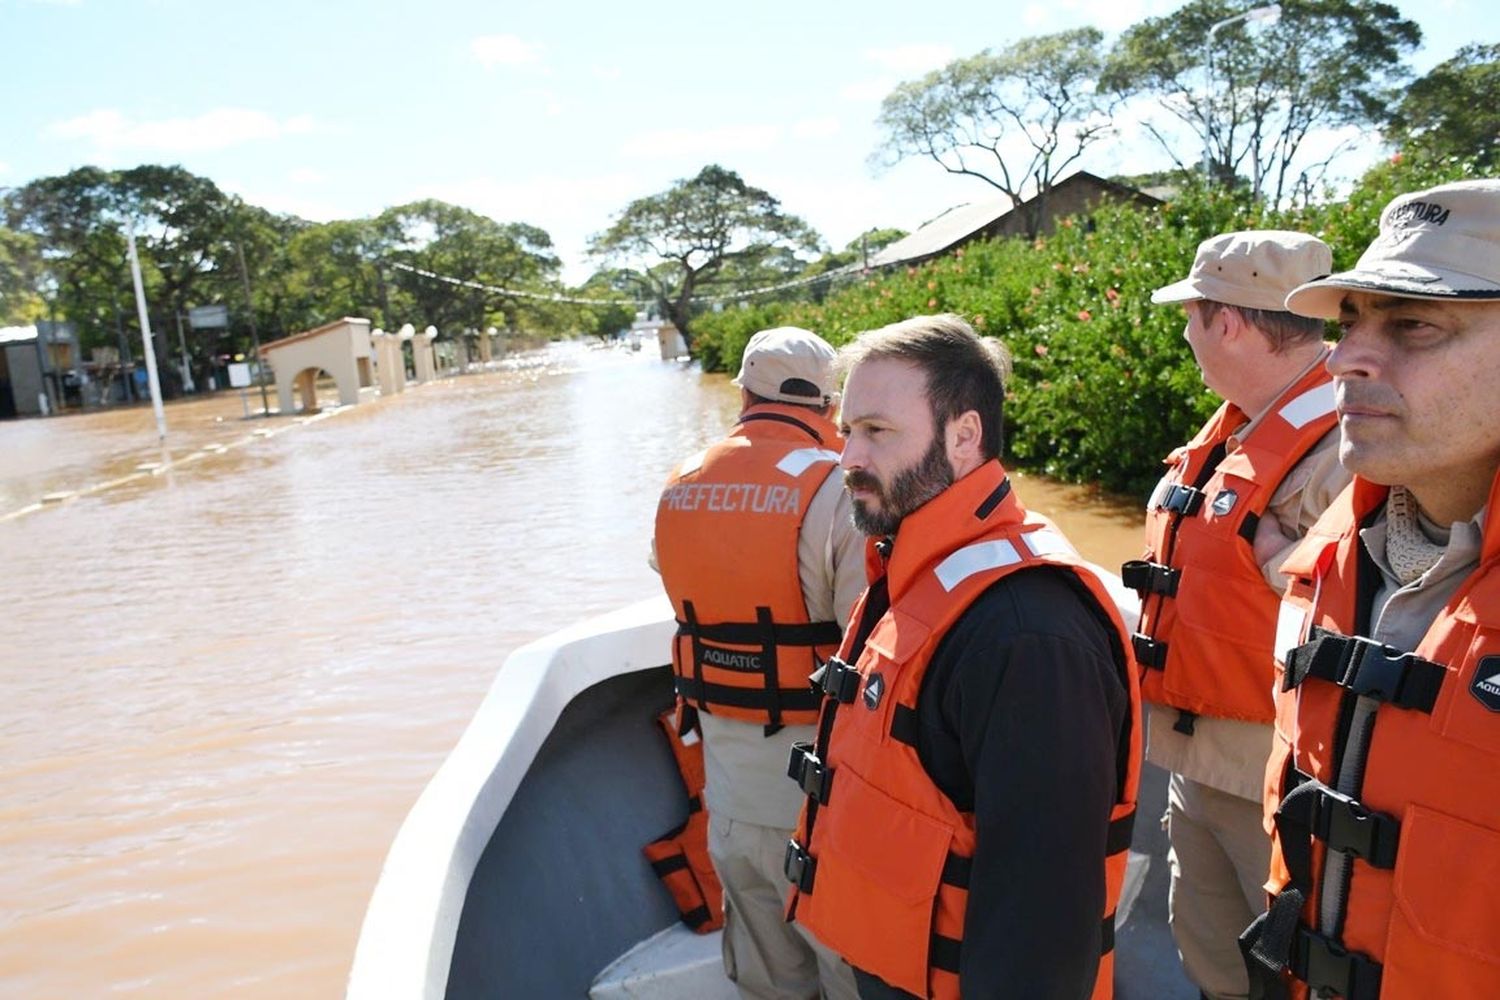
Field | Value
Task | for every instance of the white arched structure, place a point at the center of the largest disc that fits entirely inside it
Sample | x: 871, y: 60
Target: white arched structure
x: 340, y: 348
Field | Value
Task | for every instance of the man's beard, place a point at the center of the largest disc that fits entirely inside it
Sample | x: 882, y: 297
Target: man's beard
x: 910, y: 488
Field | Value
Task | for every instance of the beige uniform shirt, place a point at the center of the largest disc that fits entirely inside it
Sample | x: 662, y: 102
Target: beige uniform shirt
x: 746, y: 770
x: 1230, y: 754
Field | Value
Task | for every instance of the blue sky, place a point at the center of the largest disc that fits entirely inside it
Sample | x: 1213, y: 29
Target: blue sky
x: 553, y: 113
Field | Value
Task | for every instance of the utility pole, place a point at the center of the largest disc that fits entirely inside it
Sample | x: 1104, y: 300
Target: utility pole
x: 260, y: 367
x: 140, y: 305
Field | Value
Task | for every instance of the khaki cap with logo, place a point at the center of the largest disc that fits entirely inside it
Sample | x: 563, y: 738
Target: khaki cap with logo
x: 1253, y: 269
x: 1441, y: 243
x: 789, y: 365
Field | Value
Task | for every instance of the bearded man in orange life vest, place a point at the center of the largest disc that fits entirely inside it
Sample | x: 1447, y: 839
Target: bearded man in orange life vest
x: 1234, y: 501
x: 971, y: 789
x: 1383, y: 788
x: 759, y: 555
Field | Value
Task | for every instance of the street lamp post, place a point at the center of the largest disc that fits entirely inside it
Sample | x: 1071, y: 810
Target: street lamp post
x: 260, y: 365
x: 1271, y: 13
x: 45, y: 402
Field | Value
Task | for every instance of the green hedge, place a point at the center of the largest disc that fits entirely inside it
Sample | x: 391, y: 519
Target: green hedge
x: 1104, y: 384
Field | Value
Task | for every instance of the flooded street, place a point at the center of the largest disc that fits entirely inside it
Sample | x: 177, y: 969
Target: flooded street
x: 227, y: 677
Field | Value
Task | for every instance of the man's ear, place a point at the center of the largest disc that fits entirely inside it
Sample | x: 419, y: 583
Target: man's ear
x: 964, y: 439
x: 1233, y: 324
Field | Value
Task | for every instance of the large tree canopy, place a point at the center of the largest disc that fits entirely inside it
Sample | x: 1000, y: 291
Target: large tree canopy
x: 1254, y: 95
x: 708, y: 234
x: 448, y: 240
x: 1015, y: 119
x: 1455, y: 109
x: 200, y: 246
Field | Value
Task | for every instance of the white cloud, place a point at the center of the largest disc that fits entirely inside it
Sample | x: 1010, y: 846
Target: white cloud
x: 912, y: 59
x: 575, y: 207
x: 305, y: 175
x: 111, y: 130
x: 608, y: 74
x: 816, y: 128
x: 702, y: 143
x: 4, y: 168
x: 505, y: 50
x: 1034, y: 16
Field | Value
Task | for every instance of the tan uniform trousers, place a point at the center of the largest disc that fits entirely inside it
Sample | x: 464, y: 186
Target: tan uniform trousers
x: 764, y: 956
x: 1220, y: 858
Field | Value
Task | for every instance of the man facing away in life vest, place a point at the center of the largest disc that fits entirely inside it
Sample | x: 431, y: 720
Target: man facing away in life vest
x: 758, y: 553
x: 1383, y: 788
x: 1232, y: 504
x: 972, y: 785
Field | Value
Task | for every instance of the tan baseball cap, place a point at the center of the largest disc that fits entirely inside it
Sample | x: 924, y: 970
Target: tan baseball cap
x: 1442, y: 243
x: 1254, y: 269
x: 788, y: 364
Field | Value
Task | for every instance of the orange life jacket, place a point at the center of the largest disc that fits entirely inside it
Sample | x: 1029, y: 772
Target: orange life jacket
x: 1421, y: 903
x: 727, y: 526
x: 1207, y: 614
x: 680, y: 856
x: 879, y: 862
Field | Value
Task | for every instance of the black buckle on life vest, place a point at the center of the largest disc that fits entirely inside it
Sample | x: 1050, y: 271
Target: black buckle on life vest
x: 809, y: 772
x: 1182, y: 500
x: 1329, y: 968
x: 800, y: 867
x: 840, y: 681
x: 1147, y: 577
x: 1367, y: 668
x: 1344, y: 823
x: 1149, y: 652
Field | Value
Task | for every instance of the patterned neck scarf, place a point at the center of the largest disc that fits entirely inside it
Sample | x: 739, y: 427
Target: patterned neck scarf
x: 1407, y: 547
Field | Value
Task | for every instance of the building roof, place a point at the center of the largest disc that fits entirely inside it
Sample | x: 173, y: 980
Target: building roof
x: 961, y: 223
x: 947, y: 230
x: 17, y: 334
x: 310, y: 334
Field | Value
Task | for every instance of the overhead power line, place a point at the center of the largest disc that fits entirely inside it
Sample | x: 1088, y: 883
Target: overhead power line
x: 848, y: 270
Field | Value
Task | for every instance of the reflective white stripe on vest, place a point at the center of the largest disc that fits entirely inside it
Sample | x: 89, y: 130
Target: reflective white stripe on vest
x: 1291, y: 629
x: 1046, y: 542
x: 797, y: 462
x: 1309, y: 406
x: 973, y: 559
x: 691, y: 464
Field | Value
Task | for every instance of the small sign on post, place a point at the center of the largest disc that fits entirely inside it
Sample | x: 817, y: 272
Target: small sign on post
x: 239, y: 378
x: 208, y: 317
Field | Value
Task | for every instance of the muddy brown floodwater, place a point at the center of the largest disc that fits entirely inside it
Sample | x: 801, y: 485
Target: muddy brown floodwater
x: 231, y: 663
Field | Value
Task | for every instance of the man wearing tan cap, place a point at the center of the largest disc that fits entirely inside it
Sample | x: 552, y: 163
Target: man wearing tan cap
x: 1233, y: 502
x: 760, y: 556
x: 1383, y: 789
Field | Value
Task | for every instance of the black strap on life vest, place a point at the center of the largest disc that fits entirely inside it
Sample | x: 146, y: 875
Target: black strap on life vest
x: 1183, y: 500
x: 1146, y: 577
x: 810, y: 773
x: 1366, y: 668
x: 839, y: 681
x: 752, y: 633
x: 799, y: 866
x: 1278, y: 941
x: 782, y: 418
x: 766, y: 634
x: 703, y: 693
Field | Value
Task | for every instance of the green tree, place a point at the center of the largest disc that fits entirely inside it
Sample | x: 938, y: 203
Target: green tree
x: 461, y: 244
x: 74, y: 220
x: 708, y: 234
x: 1455, y: 109
x: 1252, y: 96
x: 1015, y: 119
x: 20, y: 278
